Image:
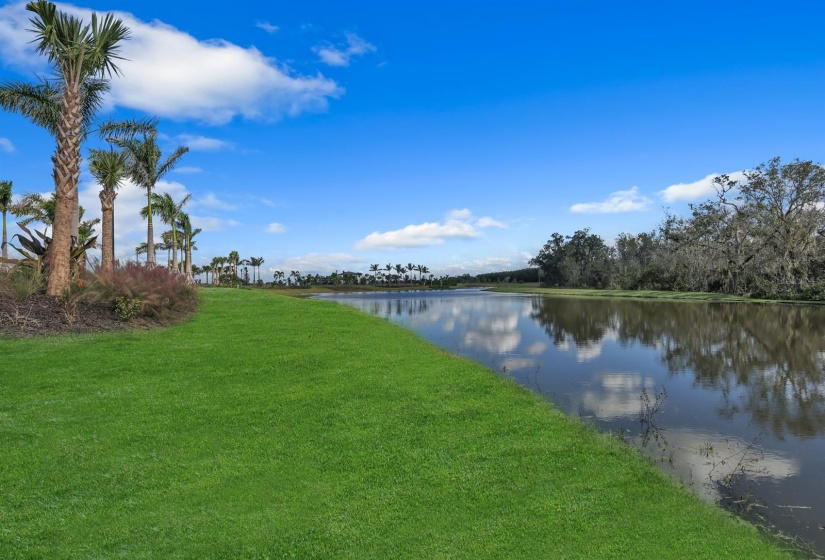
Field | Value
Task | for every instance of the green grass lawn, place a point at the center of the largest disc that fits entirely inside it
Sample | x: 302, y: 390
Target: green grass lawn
x: 276, y: 427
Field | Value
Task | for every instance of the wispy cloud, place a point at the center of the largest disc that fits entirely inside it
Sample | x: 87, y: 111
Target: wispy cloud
x: 209, y: 200
x: 212, y: 223
x: 198, y: 143
x: 342, y: 55
x: 459, y: 224
x: 695, y: 190
x: 266, y: 26
x: 169, y: 73
x: 188, y: 170
x: 620, y: 201
x: 7, y: 146
x: 275, y: 227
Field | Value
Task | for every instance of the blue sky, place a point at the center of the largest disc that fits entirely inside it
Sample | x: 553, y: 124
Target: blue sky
x: 454, y: 134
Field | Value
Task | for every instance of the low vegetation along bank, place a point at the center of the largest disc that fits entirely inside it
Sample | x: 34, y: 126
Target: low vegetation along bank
x: 269, y: 426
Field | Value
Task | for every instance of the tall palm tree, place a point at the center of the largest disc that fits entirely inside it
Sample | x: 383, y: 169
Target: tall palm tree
x: 145, y: 168
x: 5, y: 206
x: 185, y: 224
x: 109, y: 169
x: 374, y: 270
x: 79, y: 52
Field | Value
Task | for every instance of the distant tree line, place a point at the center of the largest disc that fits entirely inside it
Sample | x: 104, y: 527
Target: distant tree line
x: 762, y: 236
x: 507, y: 276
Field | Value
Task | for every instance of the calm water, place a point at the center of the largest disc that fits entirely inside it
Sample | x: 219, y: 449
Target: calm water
x: 730, y: 398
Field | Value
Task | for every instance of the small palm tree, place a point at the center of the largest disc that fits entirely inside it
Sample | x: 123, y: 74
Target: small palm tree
x: 188, y: 242
x: 34, y: 207
x: 256, y: 266
x: 168, y: 210
x: 109, y: 169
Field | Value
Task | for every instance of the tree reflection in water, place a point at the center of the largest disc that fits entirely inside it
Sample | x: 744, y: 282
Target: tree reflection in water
x: 774, y: 353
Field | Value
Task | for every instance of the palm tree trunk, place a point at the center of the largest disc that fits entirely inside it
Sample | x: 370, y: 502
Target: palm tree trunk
x: 150, y: 234
x: 66, y: 175
x: 5, y: 240
x: 188, y: 266
x: 174, y: 249
x: 107, y: 206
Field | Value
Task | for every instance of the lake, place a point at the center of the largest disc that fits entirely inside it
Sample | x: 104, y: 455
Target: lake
x: 729, y: 398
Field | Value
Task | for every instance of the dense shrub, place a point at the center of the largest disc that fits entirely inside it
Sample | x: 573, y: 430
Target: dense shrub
x: 158, y: 290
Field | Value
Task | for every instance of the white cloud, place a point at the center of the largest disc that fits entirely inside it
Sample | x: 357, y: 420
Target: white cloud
x: 619, y: 201
x: 458, y: 225
x: 211, y: 223
x: 490, y: 222
x: 320, y: 263
x: 268, y: 202
x: 266, y: 26
x: 695, y: 190
x: 7, y: 146
x: 198, y: 143
x: 335, y: 56
x: 188, y: 170
x: 275, y: 227
x: 462, y: 214
x: 172, y: 74
x: 209, y: 200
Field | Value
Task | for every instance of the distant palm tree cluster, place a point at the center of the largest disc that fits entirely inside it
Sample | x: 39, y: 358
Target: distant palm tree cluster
x: 228, y: 271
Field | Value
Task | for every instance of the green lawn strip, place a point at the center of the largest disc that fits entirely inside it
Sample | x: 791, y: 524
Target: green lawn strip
x: 275, y: 427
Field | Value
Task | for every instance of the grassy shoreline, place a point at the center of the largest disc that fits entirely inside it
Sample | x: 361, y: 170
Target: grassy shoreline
x: 705, y: 297
x: 269, y: 426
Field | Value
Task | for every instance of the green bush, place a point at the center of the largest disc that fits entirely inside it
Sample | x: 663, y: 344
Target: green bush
x: 127, y: 308
x: 20, y: 283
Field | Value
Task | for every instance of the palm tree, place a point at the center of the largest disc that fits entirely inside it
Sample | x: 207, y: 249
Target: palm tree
x: 374, y: 270
x: 233, y: 260
x: 109, y: 169
x: 256, y: 265
x: 168, y: 210
x: 145, y: 168
x: 205, y: 269
x: 34, y: 207
x: 5, y: 204
x: 80, y: 52
x: 141, y: 249
x: 399, y: 270
x: 189, y: 234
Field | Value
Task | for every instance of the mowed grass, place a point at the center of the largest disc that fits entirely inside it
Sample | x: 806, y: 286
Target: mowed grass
x: 275, y: 427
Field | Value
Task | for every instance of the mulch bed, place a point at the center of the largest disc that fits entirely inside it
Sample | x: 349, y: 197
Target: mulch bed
x: 40, y: 315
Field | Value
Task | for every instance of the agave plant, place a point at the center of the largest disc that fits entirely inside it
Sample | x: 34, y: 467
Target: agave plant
x: 35, y: 248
